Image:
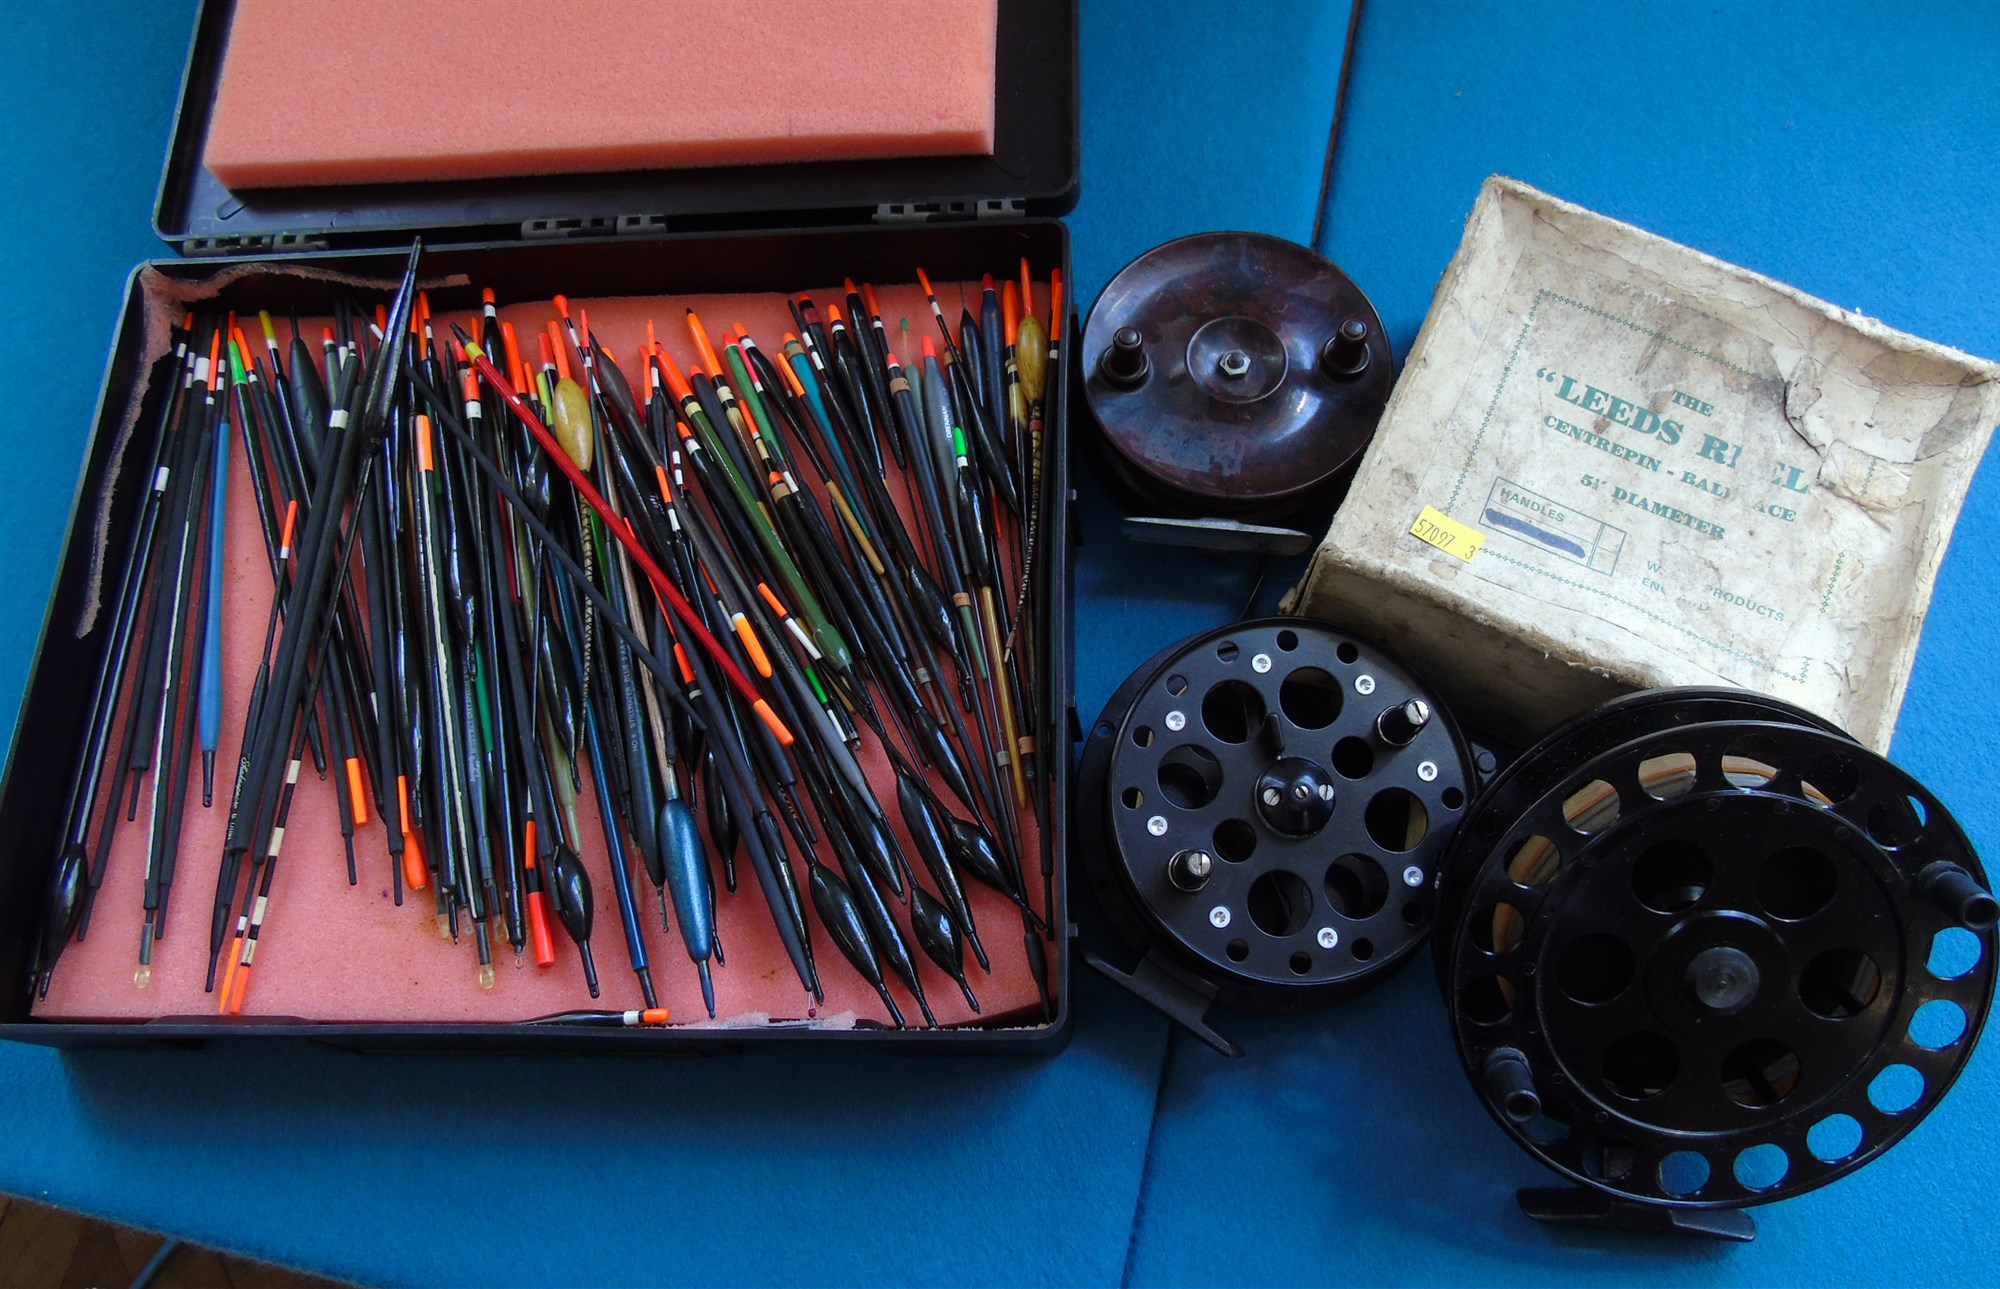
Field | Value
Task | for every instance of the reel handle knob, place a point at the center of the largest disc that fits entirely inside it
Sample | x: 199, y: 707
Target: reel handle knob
x: 1345, y: 353
x: 1953, y: 889
x: 1511, y: 1084
x: 1188, y: 870
x: 1125, y: 364
x: 1399, y: 725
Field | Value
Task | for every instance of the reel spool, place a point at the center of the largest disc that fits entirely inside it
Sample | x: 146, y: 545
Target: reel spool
x: 1262, y: 809
x: 1234, y: 376
x: 1704, y: 951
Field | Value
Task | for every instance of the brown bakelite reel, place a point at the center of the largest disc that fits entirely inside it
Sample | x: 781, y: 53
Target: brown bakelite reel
x: 1235, y: 376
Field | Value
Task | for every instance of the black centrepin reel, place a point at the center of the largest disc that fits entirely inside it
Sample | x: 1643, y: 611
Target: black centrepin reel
x: 1235, y: 379
x: 1703, y: 951
x: 1261, y: 809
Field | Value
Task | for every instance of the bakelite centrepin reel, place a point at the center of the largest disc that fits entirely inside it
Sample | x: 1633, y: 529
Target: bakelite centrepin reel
x: 1704, y: 951
x: 1236, y: 378
x: 1261, y: 810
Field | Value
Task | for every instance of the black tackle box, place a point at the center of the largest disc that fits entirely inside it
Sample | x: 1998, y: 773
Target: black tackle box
x: 718, y: 230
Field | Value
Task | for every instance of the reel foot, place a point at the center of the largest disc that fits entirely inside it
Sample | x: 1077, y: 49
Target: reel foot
x: 1578, y: 1206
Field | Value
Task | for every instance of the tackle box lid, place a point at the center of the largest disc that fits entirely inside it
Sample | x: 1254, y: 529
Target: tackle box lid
x: 1032, y: 170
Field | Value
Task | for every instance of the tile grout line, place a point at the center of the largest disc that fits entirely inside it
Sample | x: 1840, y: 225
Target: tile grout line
x: 1318, y: 236
x: 1146, y: 1161
x: 1318, y: 242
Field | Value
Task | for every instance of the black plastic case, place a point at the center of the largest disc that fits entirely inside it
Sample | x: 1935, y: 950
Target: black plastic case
x: 737, y: 229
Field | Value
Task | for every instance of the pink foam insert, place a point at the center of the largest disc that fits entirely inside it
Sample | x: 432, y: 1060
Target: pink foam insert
x: 400, y: 91
x: 331, y: 952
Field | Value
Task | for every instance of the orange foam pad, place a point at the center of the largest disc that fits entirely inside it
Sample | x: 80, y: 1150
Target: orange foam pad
x: 402, y: 91
x: 331, y: 952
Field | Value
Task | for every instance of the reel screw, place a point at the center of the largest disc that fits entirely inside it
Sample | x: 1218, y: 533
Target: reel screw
x: 1157, y: 825
x: 1271, y: 797
x: 1345, y: 354
x: 1188, y: 870
x: 1427, y: 771
x: 1261, y: 663
x: 1400, y: 725
x: 1177, y: 721
x: 1413, y: 876
x: 1234, y: 364
x: 1364, y: 684
x: 1326, y: 792
x: 1125, y: 363
x: 1327, y: 937
x: 1218, y: 917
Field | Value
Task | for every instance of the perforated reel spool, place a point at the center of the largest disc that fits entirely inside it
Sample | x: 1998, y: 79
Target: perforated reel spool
x: 1264, y: 805
x: 1703, y: 950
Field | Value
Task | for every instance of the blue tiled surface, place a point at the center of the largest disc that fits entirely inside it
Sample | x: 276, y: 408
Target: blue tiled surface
x: 1848, y: 149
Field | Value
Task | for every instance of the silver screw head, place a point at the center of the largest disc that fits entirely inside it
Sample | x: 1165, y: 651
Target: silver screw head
x: 1261, y: 663
x: 1413, y: 876
x: 1218, y: 916
x: 1234, y: 364
x: 1327, y: 937
x: 1157, y: 825
x: 1364, y: 684
x: 1177, y: 720
x: 1326, y: 792
x: 1271, y: 797
x: 1302, y: 791
x: 1427, y: 770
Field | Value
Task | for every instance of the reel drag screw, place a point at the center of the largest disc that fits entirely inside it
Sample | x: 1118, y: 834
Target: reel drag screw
x: 1297, y: 796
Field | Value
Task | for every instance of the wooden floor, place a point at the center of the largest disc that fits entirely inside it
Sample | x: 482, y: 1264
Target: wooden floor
x: 47, y: 1248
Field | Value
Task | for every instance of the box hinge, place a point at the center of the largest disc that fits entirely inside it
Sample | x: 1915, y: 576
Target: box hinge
x: 929, y: 212
x: 253, y: 244
x: 591, y: 226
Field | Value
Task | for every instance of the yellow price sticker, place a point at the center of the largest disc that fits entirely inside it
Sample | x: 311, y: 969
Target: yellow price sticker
x: 1447, y: 534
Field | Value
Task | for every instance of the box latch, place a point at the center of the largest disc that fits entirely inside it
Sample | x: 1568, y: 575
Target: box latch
x: 253, y: 244
x: 928, y: 212
x: 591, y: 226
